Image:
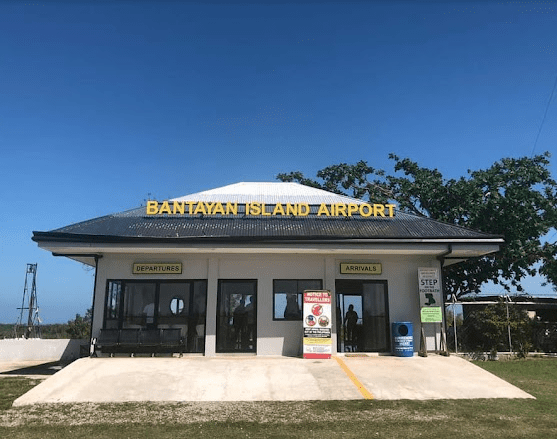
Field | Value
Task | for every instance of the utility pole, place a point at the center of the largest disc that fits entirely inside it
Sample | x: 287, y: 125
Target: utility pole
x: 32, y: 329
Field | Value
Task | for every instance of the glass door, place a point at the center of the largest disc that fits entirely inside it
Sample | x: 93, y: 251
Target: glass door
x: 237, y: 316
x: 362, y: 316
x: 183, y: 305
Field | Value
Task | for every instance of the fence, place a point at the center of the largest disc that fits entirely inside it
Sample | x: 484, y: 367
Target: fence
x: 504, y: 325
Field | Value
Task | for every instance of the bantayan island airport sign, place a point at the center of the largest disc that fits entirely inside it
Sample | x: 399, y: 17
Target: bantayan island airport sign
x: 262, y: 209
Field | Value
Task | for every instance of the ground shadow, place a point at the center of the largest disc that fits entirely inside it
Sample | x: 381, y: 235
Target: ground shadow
x: 45, y: 369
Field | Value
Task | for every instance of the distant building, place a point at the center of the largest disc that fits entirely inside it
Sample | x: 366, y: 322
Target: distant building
x: 542, y: 311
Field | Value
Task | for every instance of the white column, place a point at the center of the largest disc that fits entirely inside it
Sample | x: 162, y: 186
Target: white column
x: 211, y: 319
x: 330, y: 279
x: 99, y: 296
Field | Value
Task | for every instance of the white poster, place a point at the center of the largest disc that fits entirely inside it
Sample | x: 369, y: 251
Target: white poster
x: 317, y: 324
x: 431, y: 301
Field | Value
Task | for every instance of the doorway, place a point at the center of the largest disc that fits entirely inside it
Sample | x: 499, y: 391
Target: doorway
x: 237, y: 316
x: 362, y: 316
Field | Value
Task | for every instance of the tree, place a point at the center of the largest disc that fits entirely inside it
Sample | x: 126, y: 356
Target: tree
x: 487, y: 329
x: 80, y: 327
x: 515, y: 198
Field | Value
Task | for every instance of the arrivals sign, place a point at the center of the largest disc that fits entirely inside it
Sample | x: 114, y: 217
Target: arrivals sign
x: 262, y: 209
x: 429, y: 288
x: 359, y: 268
x: 317, y: 314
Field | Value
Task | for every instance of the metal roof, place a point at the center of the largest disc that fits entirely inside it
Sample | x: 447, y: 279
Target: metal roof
x: 136, y: 226
x: 268, y: 192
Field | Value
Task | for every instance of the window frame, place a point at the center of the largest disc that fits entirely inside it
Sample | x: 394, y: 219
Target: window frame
x: 299, y: 297
x: 121, y: 293
x: 223, y: 347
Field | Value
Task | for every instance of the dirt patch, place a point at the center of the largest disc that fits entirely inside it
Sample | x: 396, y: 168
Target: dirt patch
x: 188, y: 413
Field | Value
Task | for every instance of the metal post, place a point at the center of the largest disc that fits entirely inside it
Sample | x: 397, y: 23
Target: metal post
x: 423, y: 348
x: 507, y: 300
x: 454, y: 325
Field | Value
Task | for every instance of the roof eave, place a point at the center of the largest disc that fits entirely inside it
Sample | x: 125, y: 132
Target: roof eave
x: 322, y: 239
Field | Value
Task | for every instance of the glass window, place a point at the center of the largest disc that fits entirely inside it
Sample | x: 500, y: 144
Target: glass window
x: 177, y: 306
x: 174, y: 301
x: 113, y: 300
x: 139, y: 304
x: 196, y: 316
x: 287, y: 297
x: 159, y: 304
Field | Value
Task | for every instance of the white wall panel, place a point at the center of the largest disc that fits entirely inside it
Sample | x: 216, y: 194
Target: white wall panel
x: 276, y: 337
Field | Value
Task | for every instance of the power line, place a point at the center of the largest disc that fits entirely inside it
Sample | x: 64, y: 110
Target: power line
x: 544, y: 116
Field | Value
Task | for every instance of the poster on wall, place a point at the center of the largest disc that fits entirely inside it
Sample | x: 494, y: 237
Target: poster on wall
x: 429, y: 288
x: 317, y: 324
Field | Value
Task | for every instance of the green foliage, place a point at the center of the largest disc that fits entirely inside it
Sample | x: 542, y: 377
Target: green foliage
x: 55, y: 330
x: 80, y: 327
x: 12, y: 388
x: 487, y: 329
x: 6, y: 331
x: 514, y: 198
x: 451, y: 318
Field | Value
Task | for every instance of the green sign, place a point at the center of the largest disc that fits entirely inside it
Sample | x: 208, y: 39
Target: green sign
x: 431, y: 314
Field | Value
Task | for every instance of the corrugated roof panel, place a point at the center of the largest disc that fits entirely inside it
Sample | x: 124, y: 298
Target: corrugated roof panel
x: 402, y: 226
x: 136, y: 224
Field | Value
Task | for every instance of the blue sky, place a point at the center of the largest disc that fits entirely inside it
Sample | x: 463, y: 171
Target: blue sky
x: 104, y: 104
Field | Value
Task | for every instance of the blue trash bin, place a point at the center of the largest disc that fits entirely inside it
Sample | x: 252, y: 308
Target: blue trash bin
x: 403, y: 339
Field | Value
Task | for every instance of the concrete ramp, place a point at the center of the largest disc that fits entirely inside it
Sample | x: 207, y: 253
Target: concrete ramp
x: 268, y: 379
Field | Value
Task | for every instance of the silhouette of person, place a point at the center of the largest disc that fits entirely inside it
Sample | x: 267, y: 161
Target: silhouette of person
x: 240, y: 321
x: 149, y: 313
x: 250, y: 322
x: 350, y: 321
x: 292, y: 310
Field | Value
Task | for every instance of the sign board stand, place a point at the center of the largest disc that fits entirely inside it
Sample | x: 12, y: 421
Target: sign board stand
x: 317, y: 315
x: 431, y: 303
x: 423, y: 349
x: 443, y: 348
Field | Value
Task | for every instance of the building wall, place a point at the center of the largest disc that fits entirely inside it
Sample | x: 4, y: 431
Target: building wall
x: 276, y: 337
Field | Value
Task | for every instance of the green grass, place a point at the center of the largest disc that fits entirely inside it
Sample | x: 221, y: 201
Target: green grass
x: 485, y: 418
x: 13, y: 387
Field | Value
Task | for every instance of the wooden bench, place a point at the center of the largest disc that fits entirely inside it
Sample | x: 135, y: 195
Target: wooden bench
x: 171, y: 340
x: 128, y: 340
x: 107, y: 342
x: 134, y: 341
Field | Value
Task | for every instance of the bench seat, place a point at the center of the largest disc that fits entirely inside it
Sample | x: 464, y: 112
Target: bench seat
x: 135, y: 340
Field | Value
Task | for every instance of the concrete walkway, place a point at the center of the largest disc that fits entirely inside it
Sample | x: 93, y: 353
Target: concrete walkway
x: 268, y: 379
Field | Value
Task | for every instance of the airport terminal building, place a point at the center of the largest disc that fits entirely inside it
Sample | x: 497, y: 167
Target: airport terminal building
x: 225, y: 269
